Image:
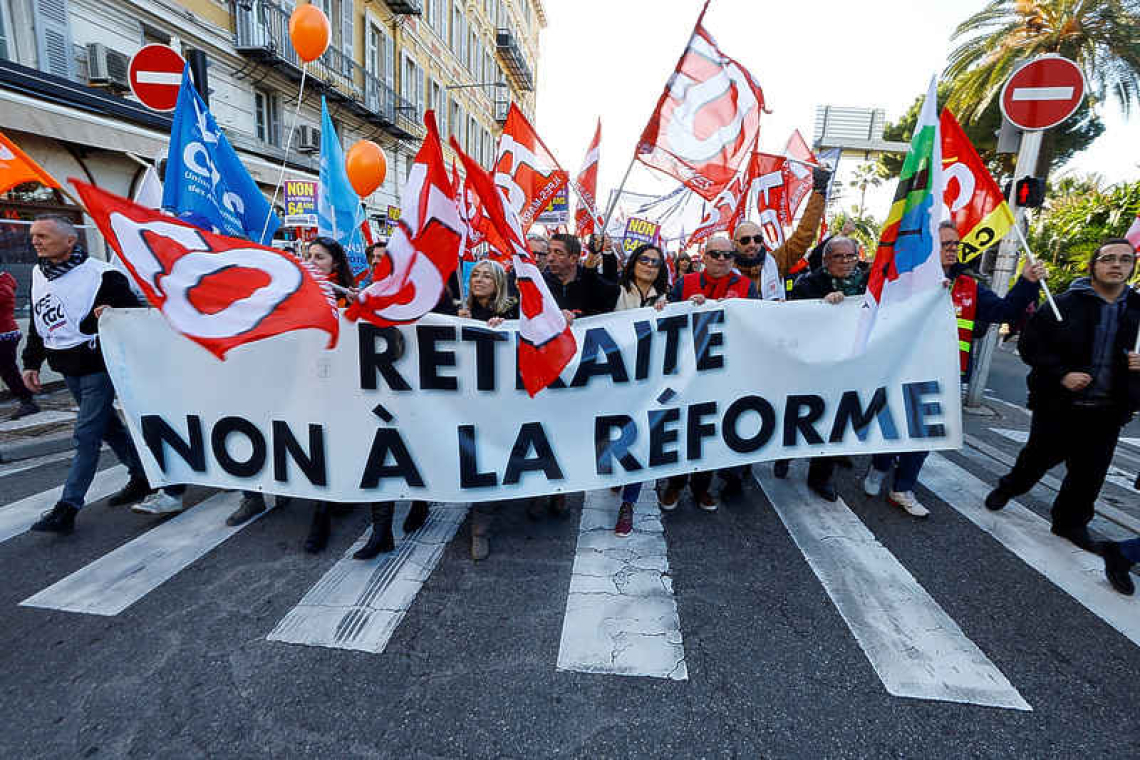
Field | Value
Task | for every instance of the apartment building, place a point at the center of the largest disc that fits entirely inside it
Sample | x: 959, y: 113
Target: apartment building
x: 65, y: 99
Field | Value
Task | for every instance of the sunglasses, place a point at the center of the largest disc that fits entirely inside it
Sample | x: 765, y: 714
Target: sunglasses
x: 746, y: 239
x: 649, y: 262
x: 720, y: 254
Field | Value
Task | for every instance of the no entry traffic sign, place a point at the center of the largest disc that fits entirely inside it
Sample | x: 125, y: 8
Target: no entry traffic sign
x: 1043, y: 93
x: 155, y: 75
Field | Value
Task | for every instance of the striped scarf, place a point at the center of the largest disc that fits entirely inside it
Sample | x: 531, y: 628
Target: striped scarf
x: 53, y: 271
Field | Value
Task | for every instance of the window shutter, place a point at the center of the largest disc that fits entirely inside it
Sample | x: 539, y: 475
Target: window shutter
x: 389, y: 62
x: 53, y: 38
x: 347, y: 39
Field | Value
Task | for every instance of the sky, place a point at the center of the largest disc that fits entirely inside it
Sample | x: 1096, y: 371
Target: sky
x: 611, y: 59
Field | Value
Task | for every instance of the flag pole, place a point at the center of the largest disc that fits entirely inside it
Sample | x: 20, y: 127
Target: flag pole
x: 1033, y: 260
x: 617, y: 195
x: 285, y: 158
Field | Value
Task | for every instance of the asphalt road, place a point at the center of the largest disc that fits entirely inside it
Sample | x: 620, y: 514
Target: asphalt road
x: 774, y: 667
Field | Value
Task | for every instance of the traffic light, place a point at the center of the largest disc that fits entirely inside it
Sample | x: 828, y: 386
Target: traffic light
x: 1030, y: 192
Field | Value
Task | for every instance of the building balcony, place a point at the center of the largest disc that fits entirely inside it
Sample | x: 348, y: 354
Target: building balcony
x: 406, y: 7
x: 513, y: 59
x: 261, y: 33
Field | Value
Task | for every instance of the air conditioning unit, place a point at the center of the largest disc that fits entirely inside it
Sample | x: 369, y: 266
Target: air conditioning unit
x: 309, y: 139
x: 106, y: 67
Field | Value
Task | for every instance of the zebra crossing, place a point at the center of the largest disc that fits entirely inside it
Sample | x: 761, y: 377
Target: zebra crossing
x: 621, y: 615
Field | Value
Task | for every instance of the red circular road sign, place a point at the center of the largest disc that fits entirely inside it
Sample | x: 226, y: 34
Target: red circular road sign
x: 155, y: 75
x: 1043, y: 93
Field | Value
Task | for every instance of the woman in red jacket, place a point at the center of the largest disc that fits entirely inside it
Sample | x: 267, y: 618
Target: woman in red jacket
x: 9, y: 339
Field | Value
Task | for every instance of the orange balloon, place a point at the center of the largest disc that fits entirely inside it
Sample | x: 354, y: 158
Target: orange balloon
x: 310, y: 32
x: 366, y: 166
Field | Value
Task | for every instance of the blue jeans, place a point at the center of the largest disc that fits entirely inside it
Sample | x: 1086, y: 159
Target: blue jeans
x: 97, y: 422
x: 1131, y: 550
x: 909, y: 465
x: 630, y: 492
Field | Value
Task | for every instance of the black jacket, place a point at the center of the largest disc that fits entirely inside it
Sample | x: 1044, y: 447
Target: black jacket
x: 82, y: 359
x: 586, y: 295
x: 1053, y: 349
x: 818, y: 283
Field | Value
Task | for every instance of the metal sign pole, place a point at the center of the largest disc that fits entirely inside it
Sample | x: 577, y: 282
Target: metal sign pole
x: 1004, y: 268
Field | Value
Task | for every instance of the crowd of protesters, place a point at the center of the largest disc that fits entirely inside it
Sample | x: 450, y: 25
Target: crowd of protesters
x: 1084, y: 377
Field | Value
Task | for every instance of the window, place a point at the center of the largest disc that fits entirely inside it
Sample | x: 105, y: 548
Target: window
x: 436, y: 102
x: 456, y: 28
x: 412, y: 86
x: 379, y: 61
x: 455, y: 122
x: 6, y: 48
x: 267, y: 119
x: 472, y: 146
x: 473, y: 53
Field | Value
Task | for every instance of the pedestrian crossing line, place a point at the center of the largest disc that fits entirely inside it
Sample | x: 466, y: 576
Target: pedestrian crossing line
x: 17, y: 517
x: 46, y: 417
x: 621, y: 617
x: 1108, y: 511
x: 1021, y: 436
x: 22, y: 465
x: 120, y: 578
x: 915, y: 647
x: 358, y: 604
x: 1078, y: 573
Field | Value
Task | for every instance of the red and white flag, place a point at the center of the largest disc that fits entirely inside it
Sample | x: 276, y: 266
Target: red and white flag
x: 424, y: 250
x: 797, y: 172
x: 1133, y: 234
x: 727, y: 208
x: 586, y: 217
x: 546, y: 344
x: 771, y: 192
x: 707, y: 120
x: 220, y: 292
x: 525, y: 169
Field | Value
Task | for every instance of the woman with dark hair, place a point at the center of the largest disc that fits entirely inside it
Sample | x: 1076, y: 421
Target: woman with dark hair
x: 488, y: 300
x: 329, y: 258
x: 684, y: 265
x: 643, y: 282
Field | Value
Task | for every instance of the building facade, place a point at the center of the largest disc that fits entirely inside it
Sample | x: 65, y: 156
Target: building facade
x: 65, y: 99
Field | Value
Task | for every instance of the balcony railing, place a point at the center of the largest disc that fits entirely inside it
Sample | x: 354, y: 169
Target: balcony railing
x: 513, y: 59
x: 262, y: 33
x: 406, y: 7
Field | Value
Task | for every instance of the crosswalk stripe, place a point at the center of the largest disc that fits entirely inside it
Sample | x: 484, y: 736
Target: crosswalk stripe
x: 47, y: 417
x: 916, y: 649
x: 359, y: 603
x: 120, y: 578
x: 621, y: 617
x: 1021, y: 436
x: 1076, y: 572
x: 18, y: 516
x: 20, y: 465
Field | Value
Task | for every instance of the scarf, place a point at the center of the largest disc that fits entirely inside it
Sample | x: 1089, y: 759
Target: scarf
x: 54, y: 271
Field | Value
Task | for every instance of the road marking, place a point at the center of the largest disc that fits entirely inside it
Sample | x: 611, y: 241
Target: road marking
x: 1078, y: 573
x: 916, y: 649
x: 35, y: 420
x: 158, y: 77
x: 359, y: 603
x: 1042, y: 93
x: 18, y: 516
x: 120, y: 578
x: 29, y: 464
x: 621, y: 617
x: 1133, y: 442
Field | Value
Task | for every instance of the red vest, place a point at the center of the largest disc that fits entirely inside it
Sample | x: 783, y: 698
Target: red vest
x: 965, y: 298
x: 731, y: 285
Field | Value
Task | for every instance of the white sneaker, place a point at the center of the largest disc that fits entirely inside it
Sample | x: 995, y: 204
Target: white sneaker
x: 906, y: 500
x: 873, y: 483
x: 159, y: 503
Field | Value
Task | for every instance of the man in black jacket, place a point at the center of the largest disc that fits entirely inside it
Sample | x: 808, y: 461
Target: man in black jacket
x: 1084, y: 385
x: 579, y: 290
x: 69, y: 292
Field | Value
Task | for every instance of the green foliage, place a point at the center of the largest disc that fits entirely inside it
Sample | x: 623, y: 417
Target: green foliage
x: 1078, y: 214
x: 864, y: 228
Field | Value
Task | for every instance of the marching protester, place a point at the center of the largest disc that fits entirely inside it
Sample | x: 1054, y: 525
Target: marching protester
x: 976, y: 308
x: 1119, y: 557
x: 10, y: 338
x: 766, y: 269
x: 69, y: 292
x: 838, y: 278
x: 716, y: 282
x: 329, y: 258
x: 539, y: 248
x: 1084, y: 385
x: 684, y: 265
x: 488, y: 300
x: 644, y: 282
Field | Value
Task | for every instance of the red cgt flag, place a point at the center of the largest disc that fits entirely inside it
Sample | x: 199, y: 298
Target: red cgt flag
x: 586, y: 217
x: 728, y: 208
x: 546, y: 344
x: 771, y: 187
x: 17, y: 167
x: 797, y: 172
x: 425, y: 248
x: 707, y: 121
x: 525, y: 169
x: 218, y: 291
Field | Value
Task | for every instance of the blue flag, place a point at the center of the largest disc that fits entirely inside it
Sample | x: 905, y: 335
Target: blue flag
x: 205, y: 181
x: 339, y: 211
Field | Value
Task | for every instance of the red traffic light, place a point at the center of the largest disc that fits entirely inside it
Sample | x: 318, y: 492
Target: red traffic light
x: 1030, y: 192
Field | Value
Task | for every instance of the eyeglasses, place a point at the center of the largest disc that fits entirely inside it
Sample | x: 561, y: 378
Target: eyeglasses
x: 746, y: 239
x: 1126, y: 260
x: 843, y: 256
x: 649, y: 262
x: 720, y: 254
x: 952, y: 245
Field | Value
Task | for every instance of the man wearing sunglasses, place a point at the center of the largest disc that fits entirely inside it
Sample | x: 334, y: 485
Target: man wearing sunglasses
x: 716, y: 283
x: 1084, y: 385
x: 766, y: 269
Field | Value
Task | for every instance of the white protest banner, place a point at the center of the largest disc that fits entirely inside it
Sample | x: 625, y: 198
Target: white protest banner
x: 434, y: 411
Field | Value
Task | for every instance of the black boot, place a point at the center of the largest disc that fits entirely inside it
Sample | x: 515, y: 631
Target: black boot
x: 59, y: 519
x: 318, y: 537
x: 136, y: 489
x: 416, y: 518
x: 381, y: 540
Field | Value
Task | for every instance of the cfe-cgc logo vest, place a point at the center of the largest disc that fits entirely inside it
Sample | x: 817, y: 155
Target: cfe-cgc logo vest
x: 61, y: 304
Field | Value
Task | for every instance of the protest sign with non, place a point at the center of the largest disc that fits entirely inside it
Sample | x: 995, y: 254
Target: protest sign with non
x: 639, y: 232
x: 434, y: 410
x: 300, y: 203
x: 558, y: 210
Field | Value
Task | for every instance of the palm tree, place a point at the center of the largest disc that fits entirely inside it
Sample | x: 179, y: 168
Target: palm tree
x: 1100, y: 36
x: 866, y: 176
